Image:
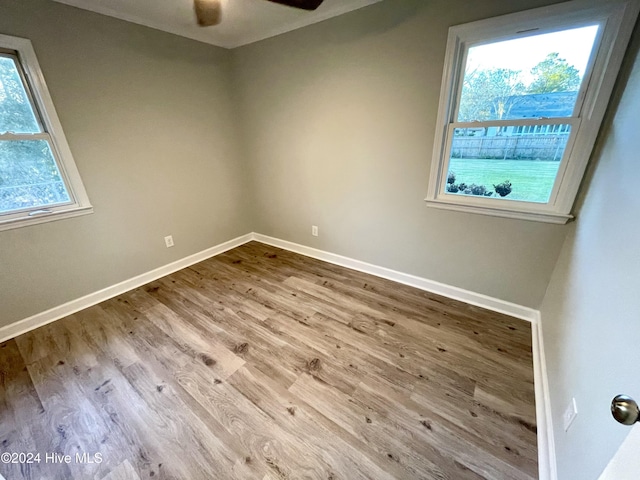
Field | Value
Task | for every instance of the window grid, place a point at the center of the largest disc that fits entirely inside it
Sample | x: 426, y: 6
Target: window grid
x: 37, y: 163
x: 579, y: 127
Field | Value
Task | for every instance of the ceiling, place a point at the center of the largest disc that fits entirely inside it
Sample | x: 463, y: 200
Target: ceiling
x: 243, y: 21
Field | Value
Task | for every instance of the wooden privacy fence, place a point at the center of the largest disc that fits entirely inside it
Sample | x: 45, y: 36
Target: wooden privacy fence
x: 523, y: 147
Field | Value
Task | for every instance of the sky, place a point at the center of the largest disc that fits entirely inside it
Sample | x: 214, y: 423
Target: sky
x: 523, y: 54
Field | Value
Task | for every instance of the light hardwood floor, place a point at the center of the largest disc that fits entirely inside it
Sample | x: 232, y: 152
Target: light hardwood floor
x: 264, y: 364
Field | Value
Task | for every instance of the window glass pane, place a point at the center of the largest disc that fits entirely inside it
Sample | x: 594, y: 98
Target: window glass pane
x: 29, y: 176
x: 16, y: 112
x: 510, y: 163
x: 533, y: 77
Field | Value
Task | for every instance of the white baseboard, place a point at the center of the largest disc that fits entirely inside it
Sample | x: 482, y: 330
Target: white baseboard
x: 547, y: 467
x: 477, y: 299
x: 69, y: 308
x: 546, y: 446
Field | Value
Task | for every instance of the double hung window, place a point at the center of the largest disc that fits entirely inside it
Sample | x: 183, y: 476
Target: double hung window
x: 522, y: 100
x: 38, y: 177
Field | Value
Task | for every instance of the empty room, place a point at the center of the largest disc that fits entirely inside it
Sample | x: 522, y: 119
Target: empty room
x: 306, y: 239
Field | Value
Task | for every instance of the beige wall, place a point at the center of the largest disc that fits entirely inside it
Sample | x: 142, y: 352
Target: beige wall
x: 339, y: 122
x: 590, y: 313
x: 150, y: 120
x: 337, y: 129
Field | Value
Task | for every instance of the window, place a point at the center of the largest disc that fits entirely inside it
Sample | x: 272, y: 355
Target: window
x: 522, y: 100
x: 38, y: 177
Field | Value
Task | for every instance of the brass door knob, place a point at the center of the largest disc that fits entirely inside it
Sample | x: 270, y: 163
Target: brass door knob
x: 625, y: 410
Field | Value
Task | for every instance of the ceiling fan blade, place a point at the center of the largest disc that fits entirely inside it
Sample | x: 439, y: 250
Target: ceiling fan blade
x: 303, y: 4
x: 208, y: 12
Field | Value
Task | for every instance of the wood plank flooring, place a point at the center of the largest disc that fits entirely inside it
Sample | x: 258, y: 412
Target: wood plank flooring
x: 264, y: 364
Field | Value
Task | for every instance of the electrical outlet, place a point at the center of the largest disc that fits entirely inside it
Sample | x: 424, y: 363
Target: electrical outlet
x: 570, y: 414
x: 169, y: 241
x: 314, y: 230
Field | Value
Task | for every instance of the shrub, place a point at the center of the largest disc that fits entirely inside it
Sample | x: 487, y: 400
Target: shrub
x: 503, y: 189
x: 478, y: 189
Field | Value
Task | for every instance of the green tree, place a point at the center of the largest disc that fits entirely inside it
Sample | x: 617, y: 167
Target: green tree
x: 15, y: 109
x: 554, y: 74
x: 490, y: 94
x: 28, y: 172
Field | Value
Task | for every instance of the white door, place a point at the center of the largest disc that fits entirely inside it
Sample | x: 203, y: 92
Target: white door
x: 625, y: 464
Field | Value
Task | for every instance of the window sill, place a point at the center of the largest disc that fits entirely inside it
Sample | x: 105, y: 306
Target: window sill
x: 50, y: 217
x: 556, y: 218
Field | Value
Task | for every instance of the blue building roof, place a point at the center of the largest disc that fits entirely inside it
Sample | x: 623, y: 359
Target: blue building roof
x: 535, y: 105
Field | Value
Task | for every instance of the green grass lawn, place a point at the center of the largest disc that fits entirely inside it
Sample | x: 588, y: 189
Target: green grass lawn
x: 532, y: 180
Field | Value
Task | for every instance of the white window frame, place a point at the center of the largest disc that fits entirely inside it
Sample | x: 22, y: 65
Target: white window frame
x: 37, y: 89
x: 617, y: 19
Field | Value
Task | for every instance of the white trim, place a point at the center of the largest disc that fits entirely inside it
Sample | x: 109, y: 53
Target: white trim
x: 54, y: 134
x: 45, y: 217
x: 449, y: 291
x: 547, y: 469
x: 616, y: 19
x: 223, y: 41
x: 69, y: 308
x: 558, y: 219
x: 478, y: 299
x: 546, y: 445
x: 303, y: 22
x: 547, y: 466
